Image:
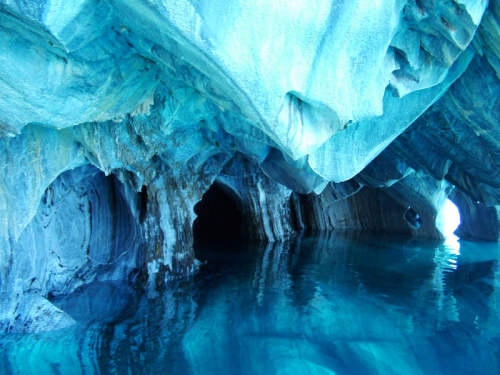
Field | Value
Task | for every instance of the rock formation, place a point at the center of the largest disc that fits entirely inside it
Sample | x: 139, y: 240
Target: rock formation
x: 117, y: 116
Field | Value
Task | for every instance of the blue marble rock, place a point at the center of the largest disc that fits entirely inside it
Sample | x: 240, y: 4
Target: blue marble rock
x: 117, y: 116
x: 82, y: 231
x: 478, y: 222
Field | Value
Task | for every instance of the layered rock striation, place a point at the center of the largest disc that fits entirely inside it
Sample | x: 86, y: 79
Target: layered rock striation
x: 118, y: 116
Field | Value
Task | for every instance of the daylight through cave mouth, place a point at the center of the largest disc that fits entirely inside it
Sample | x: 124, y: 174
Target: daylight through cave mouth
x: 451, y: 218
x: 219, y: 217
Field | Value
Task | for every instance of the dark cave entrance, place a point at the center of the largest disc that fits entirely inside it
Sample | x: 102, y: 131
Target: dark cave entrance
x: 219, y: 217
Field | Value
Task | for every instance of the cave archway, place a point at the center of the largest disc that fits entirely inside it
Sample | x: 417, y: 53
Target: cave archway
x: 451, y: 218
x: 219, y: 216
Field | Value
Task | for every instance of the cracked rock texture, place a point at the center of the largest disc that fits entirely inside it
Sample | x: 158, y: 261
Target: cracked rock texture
x: 117, y: 117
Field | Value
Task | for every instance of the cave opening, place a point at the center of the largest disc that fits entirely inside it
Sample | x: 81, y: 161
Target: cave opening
x: 143, y: 203
x: 451, y: 218
x: 219, y: 217
x: 413, y: 218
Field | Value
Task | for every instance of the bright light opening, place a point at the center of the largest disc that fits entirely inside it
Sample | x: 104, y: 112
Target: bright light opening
x: 451, y: 218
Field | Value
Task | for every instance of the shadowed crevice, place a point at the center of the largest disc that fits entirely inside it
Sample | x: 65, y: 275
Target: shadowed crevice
x: 219, y: 218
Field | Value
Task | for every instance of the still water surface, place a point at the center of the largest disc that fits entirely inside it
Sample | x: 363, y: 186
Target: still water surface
x: 346, y: 303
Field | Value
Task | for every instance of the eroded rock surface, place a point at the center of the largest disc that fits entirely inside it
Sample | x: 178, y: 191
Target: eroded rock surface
x: 117, y: 116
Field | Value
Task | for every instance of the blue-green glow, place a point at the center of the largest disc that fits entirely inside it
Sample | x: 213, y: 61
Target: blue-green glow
x: 335, y: 304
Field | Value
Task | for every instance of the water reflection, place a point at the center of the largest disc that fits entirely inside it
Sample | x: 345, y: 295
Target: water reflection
x: 340, y: 303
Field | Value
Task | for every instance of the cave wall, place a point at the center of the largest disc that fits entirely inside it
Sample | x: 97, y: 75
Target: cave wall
x: 265, y: 205
x: 168, y: 221
x: 311, y: 117
x: 83, y: 230
x: 387, y: 195
x: 370, y: 209
x: 478, y: 222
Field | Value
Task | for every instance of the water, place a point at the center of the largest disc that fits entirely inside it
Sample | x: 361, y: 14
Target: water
x: 344, y: 304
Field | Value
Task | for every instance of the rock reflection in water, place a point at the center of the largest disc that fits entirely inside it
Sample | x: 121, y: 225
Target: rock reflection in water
x: 341, y: 303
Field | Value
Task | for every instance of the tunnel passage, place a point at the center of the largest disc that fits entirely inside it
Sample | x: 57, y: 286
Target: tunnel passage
x: 219, y: 217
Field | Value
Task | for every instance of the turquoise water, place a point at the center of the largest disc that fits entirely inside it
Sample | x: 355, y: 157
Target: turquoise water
x: 344, y: 304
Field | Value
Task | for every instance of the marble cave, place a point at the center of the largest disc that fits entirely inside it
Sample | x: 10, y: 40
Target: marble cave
x: 249, y: 186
